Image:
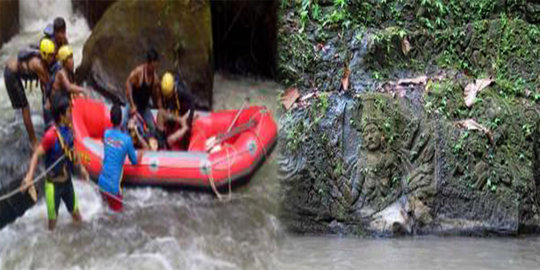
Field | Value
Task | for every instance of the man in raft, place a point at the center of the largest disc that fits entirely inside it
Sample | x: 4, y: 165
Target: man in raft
x: 29, y: 65
x: 63, y: 82
x: 171, y: 125
x: 57, y: 143
x: 143, y: 83
x: 118, y: 145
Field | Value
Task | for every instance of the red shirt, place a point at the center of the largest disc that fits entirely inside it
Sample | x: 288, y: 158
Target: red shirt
x: 49, y: 139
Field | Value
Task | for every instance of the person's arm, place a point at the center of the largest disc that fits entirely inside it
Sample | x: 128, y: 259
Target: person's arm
x: 71, y: 87
x: 141, y: 140
x: 156, y: 93
x: 29, y: 178
x: 138, y: 137
x: 181, y: 132
x: 82, y: 169
x: 189, y: 100
x: 131, y: 153
x: 37, y: 67
x: 132, y: 79
x: 182, y: 120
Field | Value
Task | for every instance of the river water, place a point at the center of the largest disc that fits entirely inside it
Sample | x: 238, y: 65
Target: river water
x: 162, y: 229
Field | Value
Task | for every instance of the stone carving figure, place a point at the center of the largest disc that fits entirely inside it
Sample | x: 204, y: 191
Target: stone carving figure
x: 376, y: 167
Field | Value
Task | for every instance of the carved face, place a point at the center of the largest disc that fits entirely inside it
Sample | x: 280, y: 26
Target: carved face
x: 372, y: 137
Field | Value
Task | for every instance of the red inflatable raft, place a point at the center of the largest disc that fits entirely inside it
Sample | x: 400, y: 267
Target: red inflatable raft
x: 241, y: 150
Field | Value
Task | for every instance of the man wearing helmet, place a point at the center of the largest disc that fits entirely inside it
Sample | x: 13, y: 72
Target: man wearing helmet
x: 63, y: 83
x: 28, y: 66
x: 172, y: 127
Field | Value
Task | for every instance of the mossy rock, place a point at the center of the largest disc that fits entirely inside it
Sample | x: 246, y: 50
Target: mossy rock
x: 179, y: 30
x: 439, y: 178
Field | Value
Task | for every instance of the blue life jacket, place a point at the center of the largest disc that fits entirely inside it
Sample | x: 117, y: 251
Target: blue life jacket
x: 52, y: 77
x: 65, y: 138
x: 48, y: 32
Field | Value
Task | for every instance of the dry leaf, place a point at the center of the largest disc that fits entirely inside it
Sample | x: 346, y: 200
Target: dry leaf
x: 472, y: 89
x: 345, y: 79
x: 417, y: 80
x: 405, y: 46
x: 289, y: 97
x: 471, y: 124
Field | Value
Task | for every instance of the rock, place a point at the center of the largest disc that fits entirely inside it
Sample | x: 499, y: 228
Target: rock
x: 9, y: 19
x: 369, y: 163
x: 92, y: 10
x: 375, y: 164
x: 179, y: 30
x: 16, y: 151
x: 392, y: 221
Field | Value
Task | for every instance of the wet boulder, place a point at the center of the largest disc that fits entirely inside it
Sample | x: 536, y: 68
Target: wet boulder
x: 179, y: 30
x: 9, y: 19
x: 16, y: 153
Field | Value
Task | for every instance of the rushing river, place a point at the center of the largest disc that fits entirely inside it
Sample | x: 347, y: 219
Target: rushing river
x: 162, y: 229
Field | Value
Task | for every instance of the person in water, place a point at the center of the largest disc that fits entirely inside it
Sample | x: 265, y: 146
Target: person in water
x: 171, y: 125
x: 57, y: 32
x: 63, y: 82
x: 57, y: 143
x: 143, y: 83
x: 29, y: 65
x: 118, y: 145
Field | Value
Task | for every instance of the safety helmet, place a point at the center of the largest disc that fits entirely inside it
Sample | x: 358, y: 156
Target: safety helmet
x: 167, y: 84
x: 46, y: 48
x: 64, y: 53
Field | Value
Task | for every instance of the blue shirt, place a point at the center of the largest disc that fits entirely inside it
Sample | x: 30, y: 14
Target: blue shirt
x: 117, y: 146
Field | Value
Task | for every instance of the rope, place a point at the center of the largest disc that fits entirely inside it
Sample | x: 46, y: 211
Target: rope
x: 229, y: 173
x: 39, y: 178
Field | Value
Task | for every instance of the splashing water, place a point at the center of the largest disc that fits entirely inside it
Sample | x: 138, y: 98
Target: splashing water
x: 159, y: 229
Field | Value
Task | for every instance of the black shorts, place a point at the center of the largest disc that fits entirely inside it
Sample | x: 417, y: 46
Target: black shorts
x: 55, y: 192
x: 15, y: 89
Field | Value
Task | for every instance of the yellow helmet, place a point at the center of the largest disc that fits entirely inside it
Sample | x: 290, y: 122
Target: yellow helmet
x: 46, y: 48
x: 167, y: 84
x: 64, y: 53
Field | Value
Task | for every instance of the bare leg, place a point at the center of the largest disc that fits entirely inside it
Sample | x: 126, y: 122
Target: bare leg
x: 27, y: 119
x: 76, y: 216
x: 52, y: 224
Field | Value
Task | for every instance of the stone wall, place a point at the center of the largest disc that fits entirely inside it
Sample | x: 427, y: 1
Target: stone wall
x: 381, y: 141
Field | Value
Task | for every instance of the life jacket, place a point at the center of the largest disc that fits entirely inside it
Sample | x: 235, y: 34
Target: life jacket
x: 48, y: 32
x: 62, y: 146
x: 52, y: 77
x: 25, y: 55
